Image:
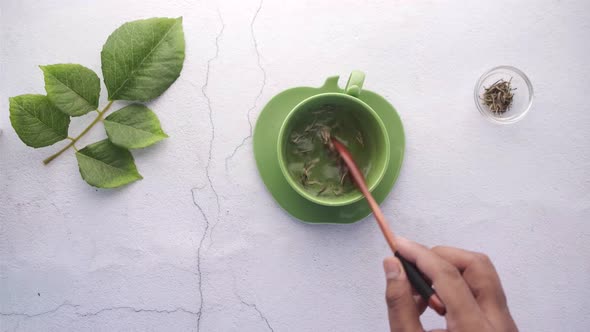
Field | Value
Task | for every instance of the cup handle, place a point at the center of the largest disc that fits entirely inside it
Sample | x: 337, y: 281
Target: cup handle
x: 355, y: 83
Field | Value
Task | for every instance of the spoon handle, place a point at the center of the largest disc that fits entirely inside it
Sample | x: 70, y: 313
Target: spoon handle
x: 414, y: 276
x: 420, y: 285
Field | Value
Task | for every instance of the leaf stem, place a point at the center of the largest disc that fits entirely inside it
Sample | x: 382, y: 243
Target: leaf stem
x: 75, y: 139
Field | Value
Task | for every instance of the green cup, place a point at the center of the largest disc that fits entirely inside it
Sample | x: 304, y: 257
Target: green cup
x: 376, y: 143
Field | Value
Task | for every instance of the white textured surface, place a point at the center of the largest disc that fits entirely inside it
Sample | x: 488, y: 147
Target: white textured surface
x: 73, y: 258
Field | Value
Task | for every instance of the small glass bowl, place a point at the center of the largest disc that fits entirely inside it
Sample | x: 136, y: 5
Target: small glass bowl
x: 521, y: 102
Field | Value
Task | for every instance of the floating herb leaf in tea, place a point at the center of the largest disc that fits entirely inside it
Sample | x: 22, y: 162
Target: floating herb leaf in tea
x: 498, y: 97
x: 311, y: 158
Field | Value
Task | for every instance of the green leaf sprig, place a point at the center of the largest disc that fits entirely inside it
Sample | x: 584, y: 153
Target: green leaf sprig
x: 140, y: 60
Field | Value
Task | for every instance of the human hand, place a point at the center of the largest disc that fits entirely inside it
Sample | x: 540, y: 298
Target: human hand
x: 465, y: 281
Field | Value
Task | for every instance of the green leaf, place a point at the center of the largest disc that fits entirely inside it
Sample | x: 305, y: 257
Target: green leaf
x: 133, y: 127
x: 141, y: 59
x: 72, y: 88
x: 105, y: 165
x: 37, y: 121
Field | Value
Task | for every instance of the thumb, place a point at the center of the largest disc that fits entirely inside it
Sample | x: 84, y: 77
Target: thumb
x: 403, y: 313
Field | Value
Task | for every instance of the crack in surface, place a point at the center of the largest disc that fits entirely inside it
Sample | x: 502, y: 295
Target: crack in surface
x: 253, y: 306
x: 250, y: 305
x: 230, y: 157
x: 98, y: 312
x: 158, y: 311
x: 199, y: 273
x: 24, y: 314
x: 204, y: 91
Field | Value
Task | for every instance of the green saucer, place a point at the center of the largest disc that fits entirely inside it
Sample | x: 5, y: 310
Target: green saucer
x: 265, y: 152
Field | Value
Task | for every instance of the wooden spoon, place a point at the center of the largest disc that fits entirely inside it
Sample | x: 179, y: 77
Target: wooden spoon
x: 414, y: 275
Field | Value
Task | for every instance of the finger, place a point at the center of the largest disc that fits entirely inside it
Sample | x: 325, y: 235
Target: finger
x: 421, y: 305
x: 402, y: 311
x: 479, y: 274
x: 446, y: 279
x: 483, y: 280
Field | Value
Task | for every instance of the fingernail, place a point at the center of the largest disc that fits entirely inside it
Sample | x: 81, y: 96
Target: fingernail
x: 392, y: 268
